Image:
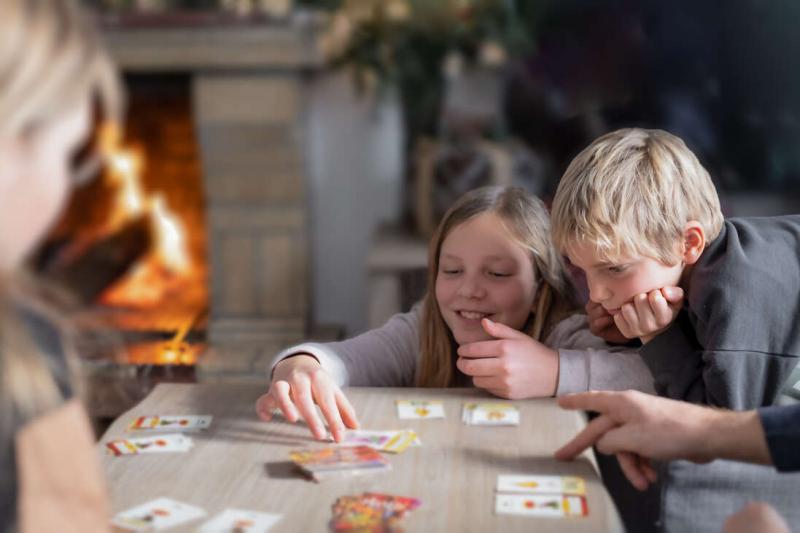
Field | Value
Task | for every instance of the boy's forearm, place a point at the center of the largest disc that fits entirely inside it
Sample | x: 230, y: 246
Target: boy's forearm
x: 738, y: 436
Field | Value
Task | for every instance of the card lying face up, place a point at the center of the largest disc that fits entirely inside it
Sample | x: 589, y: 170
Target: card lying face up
x: 552, y: 506
x: 171, y: 423
x: 240, y: 521
x: 392, y: 441
x: 419, y: 409
x: 490, y: 414
x: 541, y: 484
x: 156, y: 444
x: 158, y: 514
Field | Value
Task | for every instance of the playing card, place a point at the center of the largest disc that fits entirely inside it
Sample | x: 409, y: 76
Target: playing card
x: 157, y: 514
x: 541, y: 484
x: 171, y: 423
x: 393, y: 441
x: 154, y: 444
x: 553, y: 506
x: 239, y: 521
x: 418, y: 409
x: 490, y: 414
x: 371, y: 512
x: 397, y: 503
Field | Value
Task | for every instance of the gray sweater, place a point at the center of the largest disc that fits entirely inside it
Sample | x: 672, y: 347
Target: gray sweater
x: 389, y: 357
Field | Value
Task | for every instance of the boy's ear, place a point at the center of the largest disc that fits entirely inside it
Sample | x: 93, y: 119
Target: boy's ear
x: 694, y: 242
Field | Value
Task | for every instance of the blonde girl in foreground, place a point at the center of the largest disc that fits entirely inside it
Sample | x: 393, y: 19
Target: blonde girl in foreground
x: 52, y: 72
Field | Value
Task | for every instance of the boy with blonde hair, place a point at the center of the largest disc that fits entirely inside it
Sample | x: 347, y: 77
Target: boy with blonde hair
x: 638, y: 213
x: 714, y: 301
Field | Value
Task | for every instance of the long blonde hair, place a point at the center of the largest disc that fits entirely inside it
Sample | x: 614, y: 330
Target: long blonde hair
x: 51, y: 60
x: 527, y: 222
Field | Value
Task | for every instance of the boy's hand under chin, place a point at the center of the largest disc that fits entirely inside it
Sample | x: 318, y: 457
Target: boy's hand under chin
x: 513, y: 365
x: 601, y: 324
x: 648, y: 314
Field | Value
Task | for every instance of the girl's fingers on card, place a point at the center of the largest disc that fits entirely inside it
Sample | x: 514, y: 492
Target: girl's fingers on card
x: 280, y: 391
x: 346, y: 409
x: 301, y: 394
x: 323, y: 396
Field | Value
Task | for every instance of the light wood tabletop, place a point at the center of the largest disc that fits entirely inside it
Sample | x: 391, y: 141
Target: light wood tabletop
x: 242, y: 462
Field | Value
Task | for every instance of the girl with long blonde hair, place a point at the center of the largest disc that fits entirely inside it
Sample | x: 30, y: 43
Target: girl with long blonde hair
x: 500, y: 314
x: 53, y: 74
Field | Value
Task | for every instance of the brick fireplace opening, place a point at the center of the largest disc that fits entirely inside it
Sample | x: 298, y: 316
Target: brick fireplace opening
x: 133, y: 243
x: 132, y: 247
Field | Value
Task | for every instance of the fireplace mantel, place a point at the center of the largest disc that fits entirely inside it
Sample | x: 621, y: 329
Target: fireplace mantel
x: 226, y: 48
x: 248, y: 97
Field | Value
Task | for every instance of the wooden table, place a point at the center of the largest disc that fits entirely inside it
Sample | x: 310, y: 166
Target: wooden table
x: 242, y: 462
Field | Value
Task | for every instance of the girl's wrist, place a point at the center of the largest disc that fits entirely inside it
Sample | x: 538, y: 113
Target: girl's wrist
x: 293, y: 362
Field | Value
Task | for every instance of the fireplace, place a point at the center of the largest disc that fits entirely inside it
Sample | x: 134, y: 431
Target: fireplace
x: 216, y: 133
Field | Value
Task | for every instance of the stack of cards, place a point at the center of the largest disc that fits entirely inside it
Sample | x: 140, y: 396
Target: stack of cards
x: 418, y: 409
x: 371, y: 512
x: 545, y: 496
x: 171, y: 423
x: 321, y: 463
x: 158, y: 514
x: 174, y: 442
x: 239, y: 521
x: 385, y: 441
x: 490, y: 414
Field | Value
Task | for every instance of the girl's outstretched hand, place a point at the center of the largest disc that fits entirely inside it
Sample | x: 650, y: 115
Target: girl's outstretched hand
x: 299, y: 384
x: 512, y: 365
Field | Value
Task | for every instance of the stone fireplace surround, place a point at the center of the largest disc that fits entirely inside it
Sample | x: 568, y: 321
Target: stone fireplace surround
x: 248, y: 98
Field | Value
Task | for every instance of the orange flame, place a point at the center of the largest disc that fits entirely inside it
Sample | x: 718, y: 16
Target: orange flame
x: 145, y: 284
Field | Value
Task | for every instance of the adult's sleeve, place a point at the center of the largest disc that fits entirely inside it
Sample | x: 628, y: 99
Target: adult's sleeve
x: 782, y: 430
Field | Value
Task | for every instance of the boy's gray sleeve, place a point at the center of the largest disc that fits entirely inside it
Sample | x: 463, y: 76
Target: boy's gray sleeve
x: 734, y: 379
x: 382, y: 357
x: 587, y: 362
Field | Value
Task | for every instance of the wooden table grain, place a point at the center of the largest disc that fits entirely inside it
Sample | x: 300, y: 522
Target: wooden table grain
x: 242, y: 462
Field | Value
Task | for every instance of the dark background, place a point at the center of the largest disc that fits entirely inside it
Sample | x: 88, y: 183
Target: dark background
x: 722, y: 75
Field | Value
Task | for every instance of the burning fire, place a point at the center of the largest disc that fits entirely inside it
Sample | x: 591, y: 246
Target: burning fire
x: 145, y: 285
